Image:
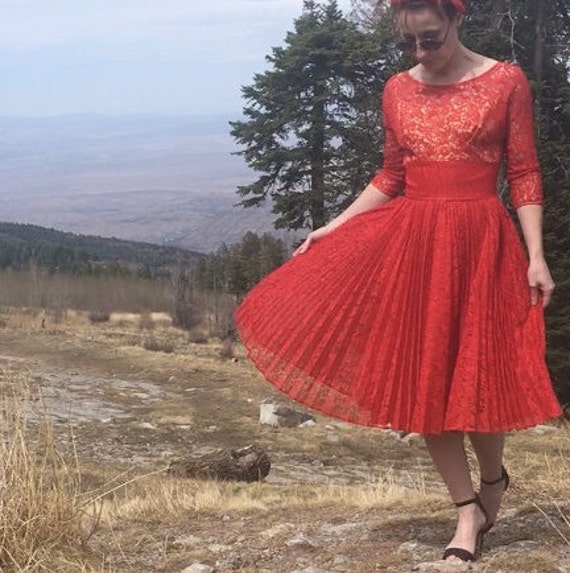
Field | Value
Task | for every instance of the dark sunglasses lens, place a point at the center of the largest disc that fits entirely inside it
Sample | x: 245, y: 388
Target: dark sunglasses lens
x: 406, y: 45
x: 429, y: 45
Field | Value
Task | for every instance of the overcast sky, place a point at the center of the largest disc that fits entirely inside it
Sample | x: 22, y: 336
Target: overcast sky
x: 132, y: 56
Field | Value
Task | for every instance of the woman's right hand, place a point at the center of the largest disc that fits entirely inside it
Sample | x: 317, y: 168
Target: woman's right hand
x: 310, y: 239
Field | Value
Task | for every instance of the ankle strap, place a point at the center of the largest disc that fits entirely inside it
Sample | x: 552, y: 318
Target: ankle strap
x: 467, y: 502
x: 475, y: 500
x: 504, y: 477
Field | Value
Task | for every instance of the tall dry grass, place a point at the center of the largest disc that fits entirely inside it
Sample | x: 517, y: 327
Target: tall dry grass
x: 62, y: 291
x: 44, y: 523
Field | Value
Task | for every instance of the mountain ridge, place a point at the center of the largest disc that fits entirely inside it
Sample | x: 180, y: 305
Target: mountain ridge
x: 23, y: 243
x: 151, y: 178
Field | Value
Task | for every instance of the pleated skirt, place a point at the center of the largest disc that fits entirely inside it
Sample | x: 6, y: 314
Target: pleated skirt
x: 414, y: 316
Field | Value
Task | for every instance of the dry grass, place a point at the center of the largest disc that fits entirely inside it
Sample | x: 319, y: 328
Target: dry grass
x: 157, y: 498
x: 55, y: 291
x: 208, y: 401
x: 43, y: 526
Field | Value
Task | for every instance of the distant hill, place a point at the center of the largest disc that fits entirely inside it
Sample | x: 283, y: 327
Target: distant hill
x: 20, y: 244
x: 169, y: 180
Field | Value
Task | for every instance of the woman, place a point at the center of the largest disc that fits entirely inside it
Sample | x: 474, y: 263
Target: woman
x: 416, y: 308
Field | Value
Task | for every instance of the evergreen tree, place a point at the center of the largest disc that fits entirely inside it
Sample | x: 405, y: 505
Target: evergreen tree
x: 311, y: 125
x: 237, y: 268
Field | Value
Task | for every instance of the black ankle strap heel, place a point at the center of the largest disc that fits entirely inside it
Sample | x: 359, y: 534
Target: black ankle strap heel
x: 463, y: 554
x: 504, y: 477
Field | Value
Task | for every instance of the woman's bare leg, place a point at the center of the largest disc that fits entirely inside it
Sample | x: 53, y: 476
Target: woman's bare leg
x: 448, y: 454
x: 489, y: 451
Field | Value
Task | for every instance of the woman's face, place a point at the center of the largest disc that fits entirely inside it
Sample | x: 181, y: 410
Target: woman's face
x: 428, y: 36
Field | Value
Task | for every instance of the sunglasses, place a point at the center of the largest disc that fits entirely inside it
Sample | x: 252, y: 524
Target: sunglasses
x: 410, y: 44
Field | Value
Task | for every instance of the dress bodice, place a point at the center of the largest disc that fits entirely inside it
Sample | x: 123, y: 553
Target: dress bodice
x: 481, y: 121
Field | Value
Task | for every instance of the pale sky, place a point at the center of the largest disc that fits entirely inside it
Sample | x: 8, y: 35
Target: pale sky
x: 136, y: 56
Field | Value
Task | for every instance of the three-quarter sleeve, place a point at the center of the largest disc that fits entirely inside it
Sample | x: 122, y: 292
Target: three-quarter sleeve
x: 523, y: 171
x: 390, y: 178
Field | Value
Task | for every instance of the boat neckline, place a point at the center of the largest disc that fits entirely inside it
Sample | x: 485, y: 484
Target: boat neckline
x: 459, y: 83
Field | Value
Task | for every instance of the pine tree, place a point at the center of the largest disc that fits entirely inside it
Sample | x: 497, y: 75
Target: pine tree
x: 311, y: 125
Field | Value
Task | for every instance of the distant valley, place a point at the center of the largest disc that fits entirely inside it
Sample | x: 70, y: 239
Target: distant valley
x: 169, y: 180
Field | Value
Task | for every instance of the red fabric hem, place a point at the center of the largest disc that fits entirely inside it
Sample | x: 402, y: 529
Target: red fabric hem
x: 341, y: 416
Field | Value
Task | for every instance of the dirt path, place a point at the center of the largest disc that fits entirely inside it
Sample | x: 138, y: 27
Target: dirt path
x: 134, y: 410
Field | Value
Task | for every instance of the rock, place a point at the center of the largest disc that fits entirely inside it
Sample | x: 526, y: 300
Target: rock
x: 198, y: 568
x: 301, y: 540
x: 308, y: 424
x: 443, y: 567
x: 333, y: 438
x: 401, y: 436
x: 281, y: 416
x: 522, y: 545
x: 311, y: 570
x: 341, y: 560
x: 267, y: 415
x: 219, y: 548
x: 204, y: 451
x: 409, y: 438
x: 232, y: 562
x: 277, y: 530
x: 185, y: 541
x: 338, y: 426
x: 147, y: 426
x: 416, y: 550
x: 340, y: 530
x: 543, y: 430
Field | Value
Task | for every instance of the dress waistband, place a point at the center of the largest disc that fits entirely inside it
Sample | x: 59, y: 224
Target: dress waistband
x: 450, y: 180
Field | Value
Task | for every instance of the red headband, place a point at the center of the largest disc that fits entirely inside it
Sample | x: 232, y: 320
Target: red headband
x: 459, y: 4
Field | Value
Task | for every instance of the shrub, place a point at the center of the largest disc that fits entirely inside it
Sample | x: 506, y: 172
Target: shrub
x: 196, y: 336
x: 146, y: 322
x: 227, y: 350
x: 158, y: 345
x: 98, y: 315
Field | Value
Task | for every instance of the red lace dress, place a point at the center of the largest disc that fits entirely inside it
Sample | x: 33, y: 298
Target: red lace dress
x: 417, y: 315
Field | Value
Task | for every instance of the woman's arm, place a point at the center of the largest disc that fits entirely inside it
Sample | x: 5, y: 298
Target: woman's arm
x: 367, y: 200
x: 539, y: 278
x: 523, y: 173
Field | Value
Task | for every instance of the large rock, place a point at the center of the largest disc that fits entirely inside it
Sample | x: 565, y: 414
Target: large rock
x: 199, y: 568
x: 282, y: 416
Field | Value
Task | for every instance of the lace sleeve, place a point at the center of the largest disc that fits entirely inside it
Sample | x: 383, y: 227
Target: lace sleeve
x: 390, y: 179
x: 523, y: 171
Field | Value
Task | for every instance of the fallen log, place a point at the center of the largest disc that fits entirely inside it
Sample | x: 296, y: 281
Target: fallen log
x: 247, y: 464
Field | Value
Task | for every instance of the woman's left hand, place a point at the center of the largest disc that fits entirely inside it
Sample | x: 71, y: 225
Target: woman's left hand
x: 540, y: 281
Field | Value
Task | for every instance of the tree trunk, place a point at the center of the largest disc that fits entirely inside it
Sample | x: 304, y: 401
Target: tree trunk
x: 538, y: 60
x: 247, y: 464
x: 499, y: 11
x: 317, y: 194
